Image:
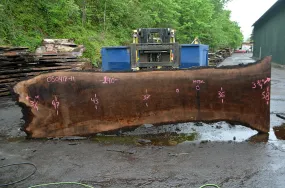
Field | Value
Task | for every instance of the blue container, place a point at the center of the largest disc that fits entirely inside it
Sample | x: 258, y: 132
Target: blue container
x: 193, y: 55
x: 115, y: 59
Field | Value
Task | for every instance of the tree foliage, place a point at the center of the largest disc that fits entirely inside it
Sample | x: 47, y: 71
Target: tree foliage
x: 97, y: 23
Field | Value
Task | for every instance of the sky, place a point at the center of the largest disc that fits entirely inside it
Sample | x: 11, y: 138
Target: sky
x: 246, y: 12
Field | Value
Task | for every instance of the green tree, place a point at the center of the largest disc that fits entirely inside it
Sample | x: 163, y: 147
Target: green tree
x: 97, y: 23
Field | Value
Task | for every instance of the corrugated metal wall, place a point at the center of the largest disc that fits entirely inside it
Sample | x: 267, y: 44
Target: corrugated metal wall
x: 269, y: 36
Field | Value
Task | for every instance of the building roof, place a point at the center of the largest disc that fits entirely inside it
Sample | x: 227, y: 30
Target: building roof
x: 274, y: 8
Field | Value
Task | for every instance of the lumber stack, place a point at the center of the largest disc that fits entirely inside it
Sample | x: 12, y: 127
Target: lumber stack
x: 17, y: 63
x: 12, y: 60
x: 53, y: 46
x: 214, y: 59
x: 225, y: 52
x: 217, y: 57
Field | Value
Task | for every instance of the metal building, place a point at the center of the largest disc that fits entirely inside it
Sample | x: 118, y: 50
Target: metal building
x: 269, y: 34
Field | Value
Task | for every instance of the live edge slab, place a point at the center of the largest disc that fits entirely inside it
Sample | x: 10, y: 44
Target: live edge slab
x: 62, y: 104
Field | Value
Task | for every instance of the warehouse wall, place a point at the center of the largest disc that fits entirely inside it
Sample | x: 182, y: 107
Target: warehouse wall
x: 269, y: 35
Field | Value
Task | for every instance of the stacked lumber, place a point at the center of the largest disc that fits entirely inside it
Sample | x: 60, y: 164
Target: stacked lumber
x: 10, y: 58
x: 214, y: 59
x: 17, y: 63
x: 217, y: 57
x: 60, y: 46
x: 225, y: 52
x: 228, y: 52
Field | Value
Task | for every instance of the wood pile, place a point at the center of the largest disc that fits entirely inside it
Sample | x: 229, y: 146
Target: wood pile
x: 17, y: 63
x: 219, y: 56
x: 214, y: 59
x: 225, y: 52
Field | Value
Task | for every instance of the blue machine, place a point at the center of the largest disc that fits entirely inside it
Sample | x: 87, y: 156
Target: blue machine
x: 118, y: 58
x: 193, y: 55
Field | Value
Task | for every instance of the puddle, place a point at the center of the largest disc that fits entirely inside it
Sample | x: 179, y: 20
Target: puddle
x: 169, y: 140
x: 171, y: 135
x: 162, y: 139
x: 219, y: 132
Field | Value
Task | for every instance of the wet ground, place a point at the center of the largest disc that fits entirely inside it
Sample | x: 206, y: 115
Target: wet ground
x: 180, y: 155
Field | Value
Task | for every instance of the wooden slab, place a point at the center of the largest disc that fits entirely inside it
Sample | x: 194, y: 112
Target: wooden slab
x: 82, y: 103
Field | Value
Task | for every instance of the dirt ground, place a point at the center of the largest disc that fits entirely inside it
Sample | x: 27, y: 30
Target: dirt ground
x: 229, y: 156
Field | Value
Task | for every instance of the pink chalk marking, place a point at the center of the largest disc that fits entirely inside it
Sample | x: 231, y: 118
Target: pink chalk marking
x: 95, y: 100
x: 48, y: 79
x: 177, y: 90
x: 266, y: 95
x: 60, y: 79
x: 222, y: 94
x: 71, y: 78
x: 34, y: 102
x: 113, y: 80
x: 259, y: 83
x: 55, y: 104
x: 146, y: 97
x: 56, y: 79
x: 65, y: 78
x: 105, y: 80
x: 109, y: 80
x: 267, y: 80
x: 198, y: 81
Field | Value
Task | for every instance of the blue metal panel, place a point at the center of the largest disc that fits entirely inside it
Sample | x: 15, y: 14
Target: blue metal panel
x: 116, y: 59
x: 193, y: 55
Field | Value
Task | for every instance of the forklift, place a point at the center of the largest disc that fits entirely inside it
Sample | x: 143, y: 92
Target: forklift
x: 154, y: 48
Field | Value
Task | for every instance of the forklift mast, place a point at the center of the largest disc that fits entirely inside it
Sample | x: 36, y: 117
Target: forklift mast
x: 154, y: 48
x: 154, y: 35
